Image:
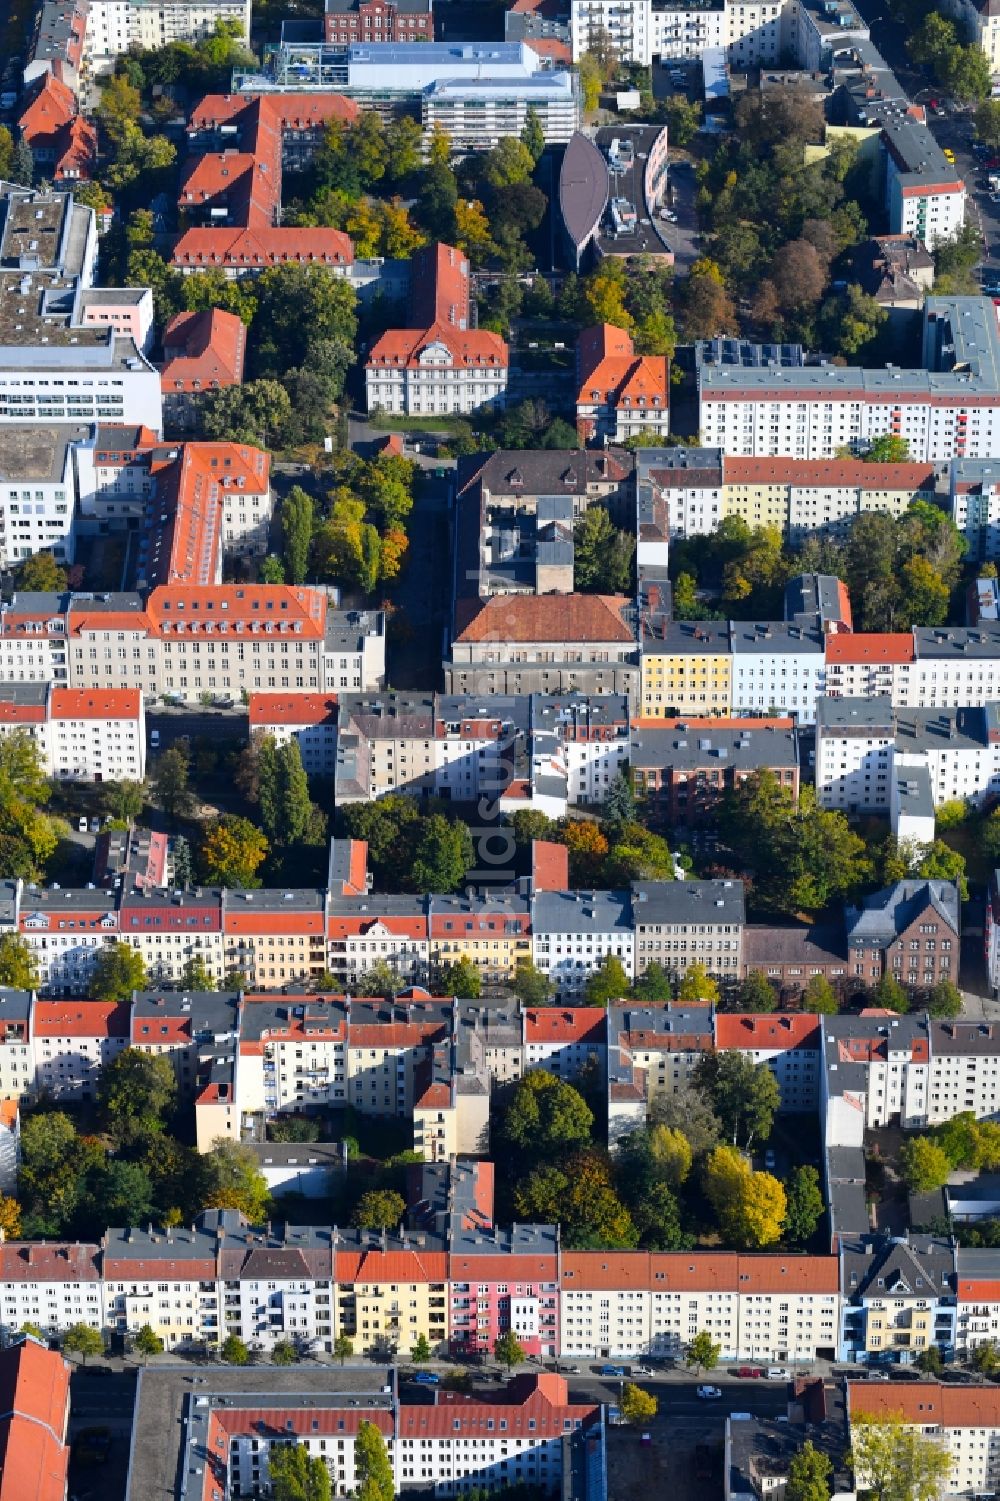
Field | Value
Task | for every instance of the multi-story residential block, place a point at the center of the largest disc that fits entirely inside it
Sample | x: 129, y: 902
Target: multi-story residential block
x: 681, y: 923
x: 683, y: 768
x: 870, y: 664
x: 574, y: 931
x: 620, y: 394
x: 777, y: 667
x: 854, y: 751
x: 564, y: 1040
x: 17, y: 1068
x: 51, y: 1284
x: 687, y: 669
x: 184, y: 1029
x: 310, y: 719
x: 978, y: 1283
x: 354, y: 650
x: 899, y: 1299
x: 492, y: 930
x: 581, y: 643
x: 991, y: 932
x: 875, y: 1071
x: 276, y: 937
x: 72, y: 1041
x: 37, y: 491
x: 439, y: 363
x: 810, y: 413
x: 966, y: 1424
x: 113, y: 26
x: 788, y: 1045
x: 651, y: 1050
x: 974, y: 505
x: 362, y: 930
x: 82, y: 735
x: 56, y: 45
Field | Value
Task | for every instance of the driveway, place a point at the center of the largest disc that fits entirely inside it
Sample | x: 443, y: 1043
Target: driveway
x: 683, y: 237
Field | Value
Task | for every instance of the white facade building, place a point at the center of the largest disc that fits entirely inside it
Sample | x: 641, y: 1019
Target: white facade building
x: 478, y: 113
x: 81, y: 735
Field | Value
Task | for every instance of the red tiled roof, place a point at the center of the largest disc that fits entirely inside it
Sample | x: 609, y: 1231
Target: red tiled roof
x: 96, y: 703
x: 549, y: 617
x: 248, y: 249
x: 605, y: 1270
x: 391, y: 1266
x: 51, y: 108
x: 439, y: 287
x: 279, y: 605
x: 76, y: 151
x: 34, y: 1410
x: 551, y: 47
x: 81, y: 1018
x: 288, y: 111
x: 871, y: 646
x: 561, y: 1024
x: 48, y: 1261
x: 203, y: 351
x: 469, y: 348
x: 767, y: 1033
x: 292, y: 708
x: 830, y: 474
x: 13, y: 712
x: 549, y: 865
x: 770, y: 1273
x: 929, y: 1403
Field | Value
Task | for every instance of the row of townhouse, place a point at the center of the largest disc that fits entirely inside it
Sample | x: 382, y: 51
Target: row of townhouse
x: 80, y: 734
x: 186, y: 640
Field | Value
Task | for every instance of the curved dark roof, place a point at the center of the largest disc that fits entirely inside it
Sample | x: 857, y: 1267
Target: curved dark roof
x: 583, y: 188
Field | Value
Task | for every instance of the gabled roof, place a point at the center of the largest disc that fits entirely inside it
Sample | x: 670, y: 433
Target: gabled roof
x: 203, y: 351
x: 549, y: 617
x: 52, y: 107
x: 34, y: 1407
x: 886, y: 914
x: 468, y: 348
x: 766, y: 1033
x: 292, y: 709
x: 253, y: 249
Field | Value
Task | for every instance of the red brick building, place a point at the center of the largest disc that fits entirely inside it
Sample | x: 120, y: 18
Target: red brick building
x: 379, y: 21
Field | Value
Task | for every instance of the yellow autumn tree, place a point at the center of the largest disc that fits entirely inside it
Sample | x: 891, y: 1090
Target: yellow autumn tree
x: 364, y: 225
x: 439, y: 149
x: 473, y: 229
x: 233, y: 851
x: 604, y: 295
x: 749, y: 1206
x: 400, y: 236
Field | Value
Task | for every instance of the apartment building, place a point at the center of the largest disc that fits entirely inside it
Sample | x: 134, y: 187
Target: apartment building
x: 909, y: 930
x: 681, y: 923
x: 620, y: 394
x: 310, y: 719
x: 113, y: 26
x: 439, y: 363
x: 946, y: 409
x: 276, y: 937
x: 899, y: 1298
x: 478, y: 113
x: 965, y: 1422
x: 81, y: 735
x: 788, y: 1045
x: 72, y: 1042
x: 574, y: 931
x: 651, y: 1050
x: 752, y: 34
x: 378, y: 21
x: 621, y: 1304
x: 682, y: 769
x: 580, y: 643
x: 978, y: 1320
x: 777, y: 667
x: 51, y: 1284
x: 16, y: 1061
x: 492, y: 930
x: 564, y: 1040
x: 687, y: 669
x: 202, y: 352
x: 37, y: 491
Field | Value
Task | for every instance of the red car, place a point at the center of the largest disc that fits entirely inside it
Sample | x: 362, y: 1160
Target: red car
x: 751, y: 1373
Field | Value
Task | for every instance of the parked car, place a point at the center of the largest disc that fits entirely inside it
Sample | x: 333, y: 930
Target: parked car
x: 708, y: 1393
x: 95, y: 825
x: 750, y: 1373
x: 154, y: 738
x: 778, y: 1373
x: 770, y: 1161
x: 644, y: 1370
x: 426, y: 1378
x: 615, y: 1371
x: 81, y: 824
x: 879, y: 1376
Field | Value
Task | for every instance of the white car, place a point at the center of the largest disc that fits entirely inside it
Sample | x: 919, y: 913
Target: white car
x: 644, y: 1370
x: 708, y: 1393
x: 778, y: 1373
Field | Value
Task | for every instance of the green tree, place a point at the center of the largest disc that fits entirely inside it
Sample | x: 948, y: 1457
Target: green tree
x: 232, y: 1180
x: 653, y: 984
x: 6, y: 153
x: 148, y: 1343
x: 591, y: 81
x: 986, y: 1358
x: 987, y: 121
x: 172, y: 781
x: 820, y: 997
x: 756, y: 993
x: 689, y: 1112
x: 608, y: 983
x: 923, y: 1164
x: 296, y: 1475
x: 929, y: 1361
x: 17, y: 964
x: 33, y: 1329
x: 967, y: 74
x: 118, y: 1193
x: 744, y: 1095
x: 809, y: 1475
x: 889, y: 995
x: 196, y: 974
x: 508, y: 1349
x: 530, y: 984
x: 124, y: 800
x: 23, y: 168
x: 944, y: 999
x: 381, y: 979
x: 232, y: 851
x: 804, y: 1205
x: 234, y: 1351
x: 117, y: 971
x: 82, y: 1340
x: 619, y: 805
x: 547, y: 1116
x: 461, y: 979
x: 271, y: 570
x: 297, y: 515
x: 442, y: 855
x: 532, y: 135
x: 702, y: 1352
x: 372, y: 1469
x: 54, y: 1163
x: 637, y: 1406
x: 379, y: 1209
x: 893, y: 1461
x: 258, y: 413
x: 283, y: 1352
x: 135, y: 1092
x: 41, y: 574
x: 697, y: 985
x: 602, y: 554
x: 343, y: 1348
x: 421, y: 1352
